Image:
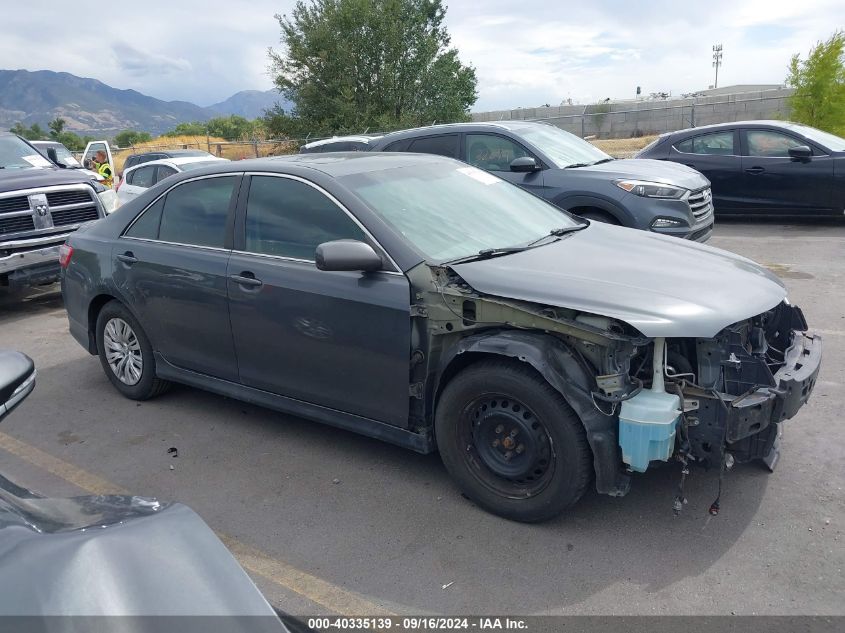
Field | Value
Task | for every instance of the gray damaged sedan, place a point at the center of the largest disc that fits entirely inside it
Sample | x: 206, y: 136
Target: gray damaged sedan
x: 425, y: 302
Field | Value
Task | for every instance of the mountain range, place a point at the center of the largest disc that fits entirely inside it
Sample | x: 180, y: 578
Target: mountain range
x: 91, y: 107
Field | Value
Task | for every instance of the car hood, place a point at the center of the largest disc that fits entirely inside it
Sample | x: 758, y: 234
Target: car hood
x: 14, y: 179
x: 647, y: 169
x: 663, y: 286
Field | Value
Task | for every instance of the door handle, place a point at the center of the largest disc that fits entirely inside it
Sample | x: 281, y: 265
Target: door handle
x: 127, y: 258
x: 754, y: 170
x: 247, y: 279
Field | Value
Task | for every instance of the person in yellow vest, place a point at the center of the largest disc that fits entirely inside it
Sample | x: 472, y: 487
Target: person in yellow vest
x: 103, y: 168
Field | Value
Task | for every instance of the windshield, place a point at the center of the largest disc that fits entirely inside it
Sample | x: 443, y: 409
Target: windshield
x: 830, y: 141
x: 16, y: 154
x: 448, y: 211
x: 62, y: 154
x: 562, y: 148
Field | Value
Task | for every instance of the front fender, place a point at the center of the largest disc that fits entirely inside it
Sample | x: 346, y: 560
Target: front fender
x: 572, y: 377
x: 569, y: 201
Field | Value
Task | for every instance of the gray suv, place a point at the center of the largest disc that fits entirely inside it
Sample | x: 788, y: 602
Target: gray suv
x: 573, y: 174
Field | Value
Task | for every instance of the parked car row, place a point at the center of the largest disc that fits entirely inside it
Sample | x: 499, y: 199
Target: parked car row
x: 426, y: 302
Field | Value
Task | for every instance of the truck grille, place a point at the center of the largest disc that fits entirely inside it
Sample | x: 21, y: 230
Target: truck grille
x: 59, y: 198
x: 701, y: 204
x: 74, y: 216
x: 10, y: 205
x: 65, y: 207
x: 16, y: 224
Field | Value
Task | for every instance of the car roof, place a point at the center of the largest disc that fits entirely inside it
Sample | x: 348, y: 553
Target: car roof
x: 175, y: 162
x: 456, y: 128
x: 360, y: 138
x: 716, y: 127
x: 333, y: 164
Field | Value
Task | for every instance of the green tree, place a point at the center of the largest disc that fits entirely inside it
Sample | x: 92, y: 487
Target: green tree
x: 32, y: 133
x: 348, y: 65
x: 819, y: 82
x: 56, y: 126
x: 232, y: 128
x: 127, y: 138
x: 194, y: 128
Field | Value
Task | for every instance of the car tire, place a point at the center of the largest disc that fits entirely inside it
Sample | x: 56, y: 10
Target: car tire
x: 599, y: 216
x: 126, y: 354
x: 493, y: 408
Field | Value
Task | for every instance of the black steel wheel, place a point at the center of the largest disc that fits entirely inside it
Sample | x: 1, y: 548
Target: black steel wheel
x: 511, y: 442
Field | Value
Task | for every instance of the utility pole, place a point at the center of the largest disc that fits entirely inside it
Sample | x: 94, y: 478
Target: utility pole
x: 717, y: 61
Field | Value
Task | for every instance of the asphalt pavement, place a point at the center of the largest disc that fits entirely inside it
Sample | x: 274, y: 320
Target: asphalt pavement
x: 326, y: 521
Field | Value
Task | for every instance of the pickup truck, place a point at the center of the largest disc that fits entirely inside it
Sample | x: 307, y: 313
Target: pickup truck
x: 40, y: 205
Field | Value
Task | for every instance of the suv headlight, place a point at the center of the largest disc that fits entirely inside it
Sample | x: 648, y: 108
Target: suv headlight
x: 98, y: 187
x: 650, y: 189
x: 665, y: 223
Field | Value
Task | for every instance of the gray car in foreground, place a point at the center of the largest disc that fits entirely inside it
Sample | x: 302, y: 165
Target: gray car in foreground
x: 428, y: 303
x: 573, y: 174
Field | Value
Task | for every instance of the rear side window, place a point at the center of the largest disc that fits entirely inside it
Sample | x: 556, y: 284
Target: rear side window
x: 441, y: 145
x: 770, y: 143
x: 717, y: 143
x: 197, y: 212
x: 288, y: 218
x: 141, y: 177
x: 146, y: 226
x: 163, y: 172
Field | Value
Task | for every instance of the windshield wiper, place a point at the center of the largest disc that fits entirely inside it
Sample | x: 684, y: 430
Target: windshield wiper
x: 603, y: 160
x: 576, y: 165
x: 487, y: 253
x: 557, y: 233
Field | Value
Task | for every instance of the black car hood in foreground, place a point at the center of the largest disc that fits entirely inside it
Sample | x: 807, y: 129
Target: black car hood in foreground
x: 119, y: 556
x: 14, y: 179
x: 648, y: 170
x: 660, y: 285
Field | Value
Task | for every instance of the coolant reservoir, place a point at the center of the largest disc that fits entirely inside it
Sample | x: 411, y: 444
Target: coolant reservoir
x: 647, y: 421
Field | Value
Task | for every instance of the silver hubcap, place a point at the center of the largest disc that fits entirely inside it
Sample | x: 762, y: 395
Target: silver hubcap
x: 123, y: 351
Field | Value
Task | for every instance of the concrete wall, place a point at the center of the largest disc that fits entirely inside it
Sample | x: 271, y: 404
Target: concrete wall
x: 639, y: 118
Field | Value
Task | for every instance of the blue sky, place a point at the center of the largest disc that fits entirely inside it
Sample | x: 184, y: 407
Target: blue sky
x: 526, y: 53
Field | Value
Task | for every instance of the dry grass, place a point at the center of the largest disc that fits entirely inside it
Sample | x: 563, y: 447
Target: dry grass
x: 217, y: 146
x: 623, y: 147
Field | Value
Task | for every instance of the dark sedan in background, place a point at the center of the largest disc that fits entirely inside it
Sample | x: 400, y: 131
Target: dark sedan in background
x: 762, y: 167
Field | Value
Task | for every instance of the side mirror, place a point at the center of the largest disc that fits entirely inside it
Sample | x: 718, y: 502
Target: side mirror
x: 17, y: 379
x: 347, y: 255
x: 53, y: 156
x: 800, y: 152
x: 524, y: 163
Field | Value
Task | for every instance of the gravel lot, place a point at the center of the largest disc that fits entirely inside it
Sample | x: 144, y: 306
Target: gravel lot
x: 326, y: 521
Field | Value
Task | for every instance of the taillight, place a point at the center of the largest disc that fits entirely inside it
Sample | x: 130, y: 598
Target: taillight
x: 65, y: 253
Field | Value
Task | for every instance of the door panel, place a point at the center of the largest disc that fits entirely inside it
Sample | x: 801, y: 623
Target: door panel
x: 780, y: 185
x: 171, y: 266
x: 716, y: 155
x: 335, y: 339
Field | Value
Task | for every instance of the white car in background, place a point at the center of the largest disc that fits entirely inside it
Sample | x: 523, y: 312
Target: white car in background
x: 136, y: 180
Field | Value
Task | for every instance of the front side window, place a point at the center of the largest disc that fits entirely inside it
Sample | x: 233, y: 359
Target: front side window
x: 769, y: 143
x: 491, y: 152
x: 288, y: 218
x: 718, y: 143
x: 440, y: 145
x: 197, y: 212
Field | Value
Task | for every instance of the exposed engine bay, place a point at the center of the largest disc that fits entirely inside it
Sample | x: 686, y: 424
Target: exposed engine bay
x: 711, y: 402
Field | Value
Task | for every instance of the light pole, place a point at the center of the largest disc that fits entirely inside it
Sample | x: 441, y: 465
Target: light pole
x: 717, y: 61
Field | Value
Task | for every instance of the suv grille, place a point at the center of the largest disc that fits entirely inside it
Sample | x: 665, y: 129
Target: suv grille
x: 16, y: 224
x: 74, y: 216
x: 10, y: 205
x: 58, y: 198
x: 81, y: 202
x: 701, y: 204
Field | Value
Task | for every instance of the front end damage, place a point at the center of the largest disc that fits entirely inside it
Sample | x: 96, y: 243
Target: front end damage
x: 732, y: 390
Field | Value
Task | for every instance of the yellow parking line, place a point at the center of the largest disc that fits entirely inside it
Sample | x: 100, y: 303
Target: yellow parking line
x: 334, y: 598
